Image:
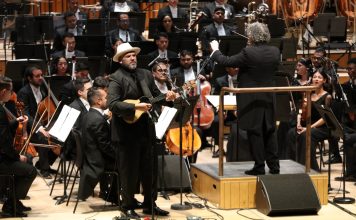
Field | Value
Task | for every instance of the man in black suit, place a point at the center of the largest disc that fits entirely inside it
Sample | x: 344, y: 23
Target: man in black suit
x: 31, y: 95
x: 123, y: 32
x: 118, y: 6
x: 214, y: 30
x: 11, y: 163
x: 173, y: 10
x: 69, y: 92
x: 162, y: 41
x: 209, y: 9
x: 70, y: 25
x: 256, y: 114
x: 134, y: 141
x: 98, y: 153
x: 160, y: 71
x: 69, y: 50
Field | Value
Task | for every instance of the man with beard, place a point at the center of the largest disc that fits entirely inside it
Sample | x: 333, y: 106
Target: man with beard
x: 134, y: 141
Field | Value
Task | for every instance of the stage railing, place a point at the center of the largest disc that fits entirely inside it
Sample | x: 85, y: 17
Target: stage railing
x: 306, y: 89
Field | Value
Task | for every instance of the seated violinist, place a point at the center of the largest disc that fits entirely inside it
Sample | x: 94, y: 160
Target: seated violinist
x: 59, y: 67
x: 11, y: 163
x: 31, y: 95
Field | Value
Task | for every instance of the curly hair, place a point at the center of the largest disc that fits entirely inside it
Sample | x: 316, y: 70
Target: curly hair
x: 258, y: 33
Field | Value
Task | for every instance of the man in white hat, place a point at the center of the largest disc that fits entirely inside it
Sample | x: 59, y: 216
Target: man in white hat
x: 134, y: 141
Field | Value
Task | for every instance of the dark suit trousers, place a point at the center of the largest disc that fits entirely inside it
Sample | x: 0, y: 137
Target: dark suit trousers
x: 135, y: 165
x: 263, y: 146
x: 24, y: 174
x: 46, y: 155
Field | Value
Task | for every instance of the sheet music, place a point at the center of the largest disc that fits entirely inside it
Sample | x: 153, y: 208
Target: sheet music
x: 64, y: 123
x: 164, y: 121
x: 228, y: 100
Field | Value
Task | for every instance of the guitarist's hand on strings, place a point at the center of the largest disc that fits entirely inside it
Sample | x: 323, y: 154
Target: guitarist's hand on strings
x: 143, y: 106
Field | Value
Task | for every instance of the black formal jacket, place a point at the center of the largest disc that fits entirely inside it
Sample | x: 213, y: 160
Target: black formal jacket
x: 177, y: 75
x: 181, y: 13
x: 210, y: 33
x: 61, y: 53
x: 258, y: 65
x: 97, y: 151
x: 78, y: 104
x: 108, y: 6
x: 170, y: 54
x: 122, y: 87
x: 113, y: 35
x: 220, y: 82
x: 7, y: 134
x: 26, y: 96
x: 68, y: 93
x: 58, y: 37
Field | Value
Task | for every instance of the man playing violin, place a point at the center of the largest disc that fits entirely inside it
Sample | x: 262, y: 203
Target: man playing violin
x: 11, y: 163
x: 134, y: 141
x: 31, y: 95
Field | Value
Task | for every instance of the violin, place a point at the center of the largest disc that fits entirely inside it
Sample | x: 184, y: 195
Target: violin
x: 189, y: 146
x: 20, y: 141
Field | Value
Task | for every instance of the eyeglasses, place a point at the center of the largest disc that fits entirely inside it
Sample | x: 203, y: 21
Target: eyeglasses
x: 163, y: 70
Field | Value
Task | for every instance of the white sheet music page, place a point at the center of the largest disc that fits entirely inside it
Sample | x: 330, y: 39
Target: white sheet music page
x: 228, y: 100
x: 64, y: 123
x: 164, y: 121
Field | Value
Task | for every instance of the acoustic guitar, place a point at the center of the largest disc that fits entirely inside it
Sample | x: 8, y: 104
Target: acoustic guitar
x: 138, y: 113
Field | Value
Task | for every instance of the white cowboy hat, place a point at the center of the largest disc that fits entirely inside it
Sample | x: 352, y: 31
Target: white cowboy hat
x: 123, y: 49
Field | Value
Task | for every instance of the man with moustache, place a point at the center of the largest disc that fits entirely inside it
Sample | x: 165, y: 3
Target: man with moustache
x: 134, y: 141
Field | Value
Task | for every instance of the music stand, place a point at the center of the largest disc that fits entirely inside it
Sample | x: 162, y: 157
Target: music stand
x: 32, y: 51
x: 15, y: 70
x: 231, y: 45
x: 181, y: 23
x: 44, y: 26
x: 183, y: 41
x: 95, y: 26
x: 145, y: 46
x: 92, y: 45
x: 185, y: 109
x: 96, y: 64
x: 25, y: 29
x: 276, y: 26
x: 336, y: 130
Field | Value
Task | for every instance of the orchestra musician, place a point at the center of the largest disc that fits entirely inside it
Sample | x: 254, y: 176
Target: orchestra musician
x: 160, y: 71
x: 74, y: 7
x: 173, y: 10
x: 69, y: 48
x: 349, y: 123
x: 209, y: 9
x: 166, y: 24
x: 134, y: 141
x: 59, y: 67
x: 319, y: 130
x: 162, y: 42
x: 70, y: 25
x: 98, y: 153
x: 256, y: 111
x: 31, y: 95
x: 215, y: 29
x: 11, y: 163
x: 118, y: 6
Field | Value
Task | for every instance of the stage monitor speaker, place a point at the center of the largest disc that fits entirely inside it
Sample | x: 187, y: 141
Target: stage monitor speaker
x: 171, y: 177
x: 286, y: 194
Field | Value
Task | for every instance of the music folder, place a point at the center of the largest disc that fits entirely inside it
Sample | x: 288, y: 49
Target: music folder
x: 331, y: 121
x: 164, y: 121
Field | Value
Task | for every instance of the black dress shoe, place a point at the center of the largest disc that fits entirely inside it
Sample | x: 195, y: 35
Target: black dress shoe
x: 45, y: 174
x: 253, y: 172
x: 138, y: 205
x: 20, y: 206
x: 8, y: 211
x: 131, y: 214
x: 334, y: 159
x: 157, y: 211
